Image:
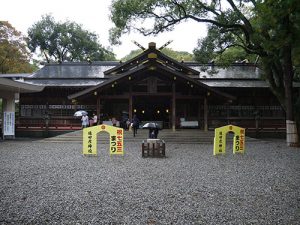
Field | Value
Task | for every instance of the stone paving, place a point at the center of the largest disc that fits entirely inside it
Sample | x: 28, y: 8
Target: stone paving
x: 53, y: 183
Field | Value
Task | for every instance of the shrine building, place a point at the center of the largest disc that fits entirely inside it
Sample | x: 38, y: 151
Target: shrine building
x: 155, y: 87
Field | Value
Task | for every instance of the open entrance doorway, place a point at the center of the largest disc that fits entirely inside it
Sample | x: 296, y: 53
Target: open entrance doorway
x: 153, y: 108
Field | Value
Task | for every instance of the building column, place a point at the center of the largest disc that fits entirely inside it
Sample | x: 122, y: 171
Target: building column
x: 98, y: 107
x: 205, y: 114
x: 173, y: 107
x: 199, y: 113
x: 130, y: 104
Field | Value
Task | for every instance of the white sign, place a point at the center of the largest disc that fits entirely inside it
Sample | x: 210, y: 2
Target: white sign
x: 9, y: 123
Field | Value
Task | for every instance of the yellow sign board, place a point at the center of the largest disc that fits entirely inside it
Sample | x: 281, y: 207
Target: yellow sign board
x: 220, y: 139
x: 115, y: 139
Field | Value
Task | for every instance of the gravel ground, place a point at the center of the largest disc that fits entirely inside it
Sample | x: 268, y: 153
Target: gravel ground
x: 52, y: 183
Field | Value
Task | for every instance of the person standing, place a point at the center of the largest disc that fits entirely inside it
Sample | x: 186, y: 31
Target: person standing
x: 95, y: 119
x: 85, y: 121
x: 114, y: 121
x: 135, y: 124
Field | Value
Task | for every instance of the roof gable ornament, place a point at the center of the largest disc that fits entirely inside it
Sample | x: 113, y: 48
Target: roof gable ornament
x: 154, y: 55
x: 139, y: 45
x: 165, y: 45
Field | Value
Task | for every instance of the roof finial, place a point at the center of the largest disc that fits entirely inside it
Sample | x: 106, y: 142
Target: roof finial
x: 139, y: 45
x: 165, y: 45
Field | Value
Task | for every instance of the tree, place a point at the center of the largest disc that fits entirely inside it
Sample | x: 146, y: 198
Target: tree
x: 177, y: 55
x: 210, y: 49
x: 65, y: 41
x: 267, y: 28
x: 14, y: 55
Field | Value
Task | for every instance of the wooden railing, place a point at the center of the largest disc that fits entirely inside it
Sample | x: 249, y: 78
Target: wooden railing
x: 258, y: 124
x: 71, y: 123
x: 66, y: 123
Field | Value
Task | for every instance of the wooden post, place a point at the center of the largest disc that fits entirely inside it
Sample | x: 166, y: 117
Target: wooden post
x: 173, y: 107
x: 199, y: 114
x: 130, y: 103
x: 205, y: 115
x: 98, y: 107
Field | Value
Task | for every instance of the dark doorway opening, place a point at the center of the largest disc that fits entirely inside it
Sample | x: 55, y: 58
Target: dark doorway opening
x: 153, y: 108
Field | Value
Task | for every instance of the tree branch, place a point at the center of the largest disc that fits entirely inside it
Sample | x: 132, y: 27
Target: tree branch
x: 180, y: 7
x: 46, y: 56
x: 207, y: 8
x: 243, y: 18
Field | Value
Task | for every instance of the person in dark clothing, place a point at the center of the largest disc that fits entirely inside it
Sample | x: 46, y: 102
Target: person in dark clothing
x: 153, y: 132
x: 135, y: 124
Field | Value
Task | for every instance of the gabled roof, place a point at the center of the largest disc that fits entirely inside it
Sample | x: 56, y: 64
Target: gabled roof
x: 145, y: 56
x: 91, y: 74
x: 108, y: 82
x: 152, y: 63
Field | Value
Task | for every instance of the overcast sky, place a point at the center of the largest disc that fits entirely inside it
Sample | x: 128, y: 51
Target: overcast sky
x: 94, y: 16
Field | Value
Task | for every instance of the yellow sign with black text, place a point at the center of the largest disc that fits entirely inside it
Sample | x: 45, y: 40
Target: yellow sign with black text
x: 238, y: 139
x: 115, y: 139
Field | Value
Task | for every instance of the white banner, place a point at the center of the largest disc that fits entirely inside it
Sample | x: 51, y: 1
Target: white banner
x: 9, y: 123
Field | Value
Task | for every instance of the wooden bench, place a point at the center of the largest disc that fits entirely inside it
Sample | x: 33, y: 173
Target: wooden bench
x: 153, y: 148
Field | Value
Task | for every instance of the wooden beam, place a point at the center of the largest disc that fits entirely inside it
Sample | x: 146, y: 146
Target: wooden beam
x: 126, y: 95
x: 151, y: 94
x: 189, y: 97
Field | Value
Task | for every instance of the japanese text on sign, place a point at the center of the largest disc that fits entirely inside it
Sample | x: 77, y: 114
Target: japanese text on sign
x: 220, y: 139
x: 115, y: 139
x: 9, y: 123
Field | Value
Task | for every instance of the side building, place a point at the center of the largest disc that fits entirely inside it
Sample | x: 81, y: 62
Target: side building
x: 155, y: 87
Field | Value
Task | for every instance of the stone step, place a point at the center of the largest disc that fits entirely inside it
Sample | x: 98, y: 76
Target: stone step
x: 181, y: 137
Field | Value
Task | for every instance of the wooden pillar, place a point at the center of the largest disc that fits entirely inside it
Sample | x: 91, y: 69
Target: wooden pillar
x: 130, y: 103
x: 98, y: 107
x: 205, y: 114
x: 173, y: 106
x: 199, y: 113
x: 185, y: 110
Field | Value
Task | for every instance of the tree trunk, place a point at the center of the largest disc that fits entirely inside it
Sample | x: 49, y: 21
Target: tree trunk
x: 291, y: 125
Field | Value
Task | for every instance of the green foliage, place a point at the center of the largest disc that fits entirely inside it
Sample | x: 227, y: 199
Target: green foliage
x: 177, y: 55
x: 132, y: 54
x: 234, y: 55
x: 66, y: 41
x: 220, y: 48
x: 206, y: 47
x: 14, y: 55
